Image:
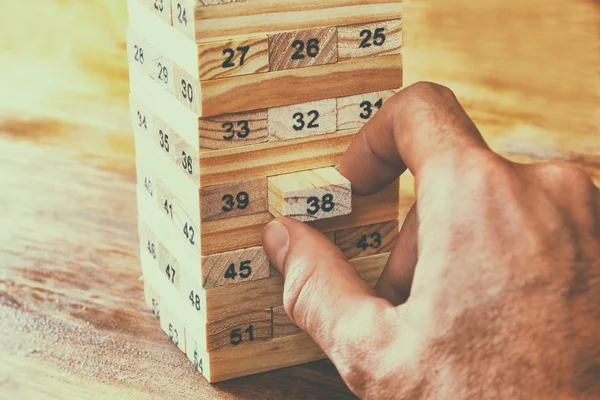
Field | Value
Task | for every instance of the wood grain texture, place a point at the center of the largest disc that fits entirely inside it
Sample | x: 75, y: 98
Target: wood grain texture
x: 355, y: 111
x: 242, y: 330
x: 282, y: 324
x: 233, y: 130
x: 233, y: 57
x: 305, y: 48
x: 233, y: 267
x: 233, y: 199
x: 268, y: 16
x: 303, y: 120
x: 236, y: 94
x: 367, y: 240
x: 266, y: 159
x: 67, y: 111
x: 310, y: 195
x: 370, y: 40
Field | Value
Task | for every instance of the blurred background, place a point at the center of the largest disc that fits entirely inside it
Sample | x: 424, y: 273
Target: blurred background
x: 71, y: 311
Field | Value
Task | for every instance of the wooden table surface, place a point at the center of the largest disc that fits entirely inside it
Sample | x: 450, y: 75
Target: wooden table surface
x: 72, y: 320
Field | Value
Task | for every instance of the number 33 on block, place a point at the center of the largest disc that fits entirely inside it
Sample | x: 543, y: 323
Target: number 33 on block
x: 310, y: 195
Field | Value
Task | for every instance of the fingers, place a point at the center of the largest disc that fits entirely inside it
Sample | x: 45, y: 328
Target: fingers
x: 396, y: 280
x: 323, y: 294
x: 423, y: 122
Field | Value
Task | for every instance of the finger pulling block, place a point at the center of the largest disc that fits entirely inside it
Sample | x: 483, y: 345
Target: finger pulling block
x: 310, y: 195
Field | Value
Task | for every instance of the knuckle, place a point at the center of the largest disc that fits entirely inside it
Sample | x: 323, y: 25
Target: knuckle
x: 567, y: 179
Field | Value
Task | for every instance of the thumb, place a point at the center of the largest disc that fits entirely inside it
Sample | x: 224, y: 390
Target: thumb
x: 323, y: 293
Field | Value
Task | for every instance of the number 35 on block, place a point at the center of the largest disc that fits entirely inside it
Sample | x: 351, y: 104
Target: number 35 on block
x: 310, y: 195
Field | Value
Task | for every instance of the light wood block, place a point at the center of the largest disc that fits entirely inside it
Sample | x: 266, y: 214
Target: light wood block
x: 171, y: 325
x: 355, y: 111
x: 233, y: 57
x: 162, y: 9
x: 303, y: 120
x: 152, y: 299
x: 305, y: 48
x: 367, y: 240
x: 233, y: 130
x: 233, y: 267
x: 310, y: 195
x: 254, y: 17
x: 282, y: 324
x: 260, y: 357
x: 243, y: 329
x: 195, y: 351
x: 233, y: 199
x: 373, y: 39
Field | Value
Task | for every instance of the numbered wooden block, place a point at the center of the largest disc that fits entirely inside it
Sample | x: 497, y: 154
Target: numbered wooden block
x: 310, y: 195
x: 184, y: 221
x: 367, y: 240
x: 355, y: 111
x: 234, y: 267
x: 169, y: 266
x: 247, y: 328
x: 162, y: 9
x: 152, y: 299
x: 233, y: 200
x: 172, y: 326
x: 233, y: 130
x: 243, y: 18
x: 282, y: 324
x: 302, y: 120
x: 303, y: 48
x: 233, y: 57
x: 370, y: 40
x: 196, y: 352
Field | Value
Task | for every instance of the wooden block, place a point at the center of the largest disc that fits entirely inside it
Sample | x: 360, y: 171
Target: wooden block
x: 152, y: 299
x: 233, y: 199
x: 195, y: 351
x: 370, y: 268
x: 260, y: 357
x: 243, y: 329
x: 240, y: 93
x: 253, y: 17
x: 367, y: 240
x: 355, y: 111
x: 282, y: 324
x: 310, y: 195
x: 233, y: 267
x: 162, y: 9
x: 233, y: 130
x: 303, y: 120
x: 172, y: 326
x: 169, y: 266
x: 233, y: 57
x: 370, y: 40
x: 305, y: 48
x: 267, y: 159
x: 186, y: 223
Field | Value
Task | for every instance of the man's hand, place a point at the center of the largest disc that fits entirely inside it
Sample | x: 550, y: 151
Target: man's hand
x: 493, y: 288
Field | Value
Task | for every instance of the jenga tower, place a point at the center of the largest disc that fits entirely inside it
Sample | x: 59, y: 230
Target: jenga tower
x: 242, y: 111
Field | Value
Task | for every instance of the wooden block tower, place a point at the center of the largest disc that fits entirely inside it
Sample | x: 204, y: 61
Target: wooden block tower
x: 242, y: 110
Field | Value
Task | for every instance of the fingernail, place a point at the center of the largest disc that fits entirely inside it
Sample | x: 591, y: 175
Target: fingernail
x: 276, y: 243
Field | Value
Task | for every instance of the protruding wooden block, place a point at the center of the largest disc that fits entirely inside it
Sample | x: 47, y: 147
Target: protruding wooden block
x: 305, y: 48
x: 370, y: 40
x: 355, y: 111
x: 282, y: 324
x: 310, y: 195
x: 367, y: 240
x: 235, y: 266
x: 233, y: 57
x: 233, y: 199
x: 233, y: 130
x: 247, y: 328
x: 302, y: 120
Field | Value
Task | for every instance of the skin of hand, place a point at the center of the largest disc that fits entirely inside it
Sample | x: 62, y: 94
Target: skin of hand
x: 493, y: 288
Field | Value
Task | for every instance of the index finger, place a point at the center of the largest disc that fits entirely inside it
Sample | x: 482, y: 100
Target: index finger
x: 421, y: 123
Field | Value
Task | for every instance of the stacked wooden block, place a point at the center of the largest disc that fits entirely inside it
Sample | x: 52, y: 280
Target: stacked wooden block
x: 241, y: 112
